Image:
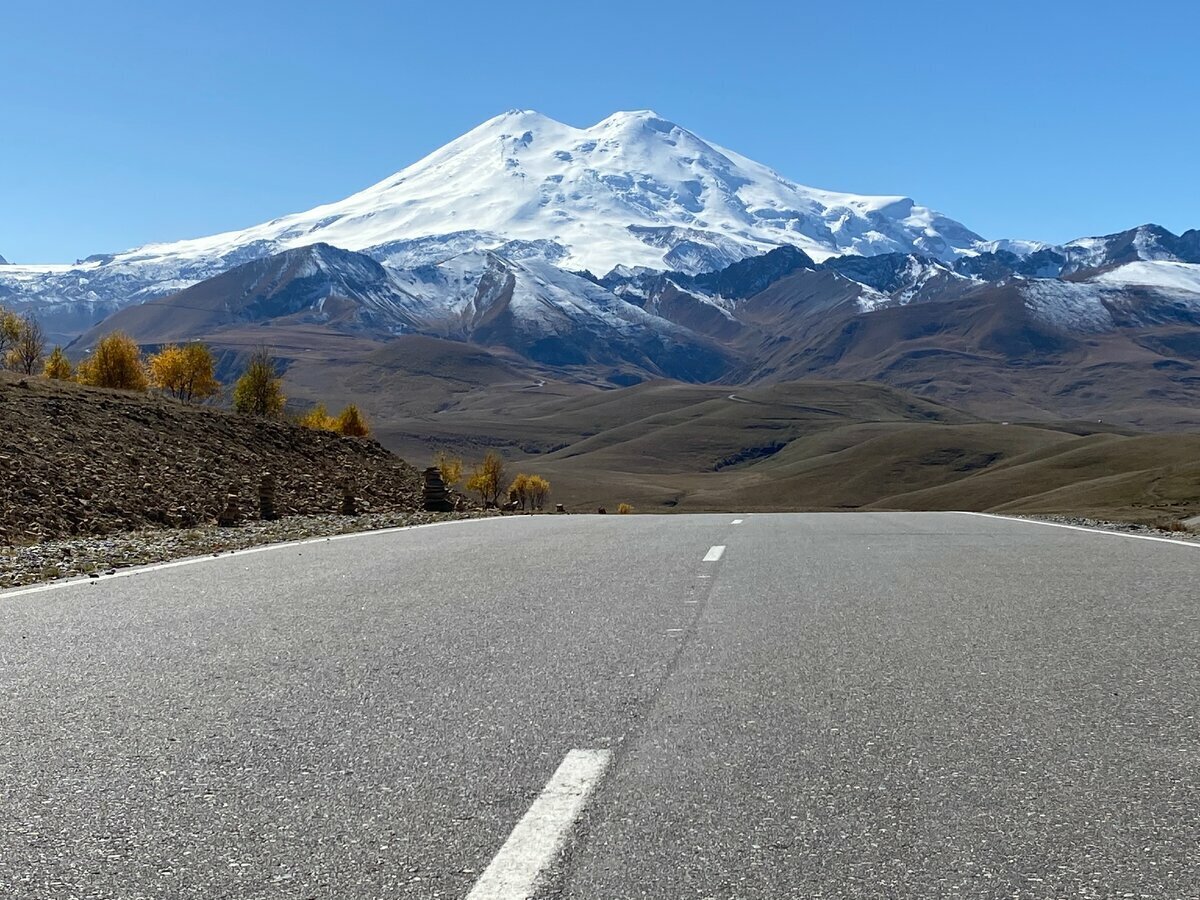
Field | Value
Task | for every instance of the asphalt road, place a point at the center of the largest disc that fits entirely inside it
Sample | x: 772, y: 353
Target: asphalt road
x: 841, y: 705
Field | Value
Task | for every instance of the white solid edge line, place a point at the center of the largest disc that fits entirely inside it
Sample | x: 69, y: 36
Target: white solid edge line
x: 1195, y: 545
x: 514, y: 872
x: 210, y: 557
x: 714, y: 553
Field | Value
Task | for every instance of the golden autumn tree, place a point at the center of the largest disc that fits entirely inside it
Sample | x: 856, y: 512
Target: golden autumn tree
x: 451, y: 468
x: 318, y: 419
x: 10, y: 331
x: 352, y: 423
x: 58, y: 367
x: 259, y: 392
x: 487, y: 478
x: 186, y: 373
x: 115, y: 363
x: 29, y: 349
x: 518, y: 491
x: 538, y: 489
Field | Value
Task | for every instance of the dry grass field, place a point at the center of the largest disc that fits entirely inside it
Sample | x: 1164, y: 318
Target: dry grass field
x: 809, y: 445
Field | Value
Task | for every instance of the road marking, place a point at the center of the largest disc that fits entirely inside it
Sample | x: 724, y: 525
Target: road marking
x: 1141, y: 537
x: 737, y: 521
x: 514, y: 873
x: 714, y: 553
x: 261, y: 548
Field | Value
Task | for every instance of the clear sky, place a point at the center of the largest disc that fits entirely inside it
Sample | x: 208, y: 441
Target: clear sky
x: 125, y: 122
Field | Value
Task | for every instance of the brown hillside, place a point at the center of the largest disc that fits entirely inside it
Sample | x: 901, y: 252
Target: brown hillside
x: 79, y: 460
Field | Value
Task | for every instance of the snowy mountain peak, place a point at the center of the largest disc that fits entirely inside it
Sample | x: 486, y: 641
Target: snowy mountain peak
x: 634, y: 189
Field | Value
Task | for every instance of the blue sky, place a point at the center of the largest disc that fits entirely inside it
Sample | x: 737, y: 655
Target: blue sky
x: 126, y: 122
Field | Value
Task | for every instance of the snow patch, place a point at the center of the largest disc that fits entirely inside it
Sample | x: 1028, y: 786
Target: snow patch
x: 1068, y: 305
x: 1164, y: 275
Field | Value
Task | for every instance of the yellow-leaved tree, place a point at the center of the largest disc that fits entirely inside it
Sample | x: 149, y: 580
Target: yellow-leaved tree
x: 518, y: 491
x: 58, y: 366
x: 186, y: 373
x: 539, y: 489
x: 487, y: 478
x: 451, y: 468
x: 115, y: 363
x: 10, y: 330
x: 259, y: 392
x: 318, y: 419
x: 352, y: 422
x: 29, y: 349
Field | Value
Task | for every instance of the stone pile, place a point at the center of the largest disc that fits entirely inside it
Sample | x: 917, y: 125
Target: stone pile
x: 435, y: 497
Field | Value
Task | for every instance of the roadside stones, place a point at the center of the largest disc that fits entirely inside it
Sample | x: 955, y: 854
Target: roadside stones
x: 229, y: 517
x: 349, y: 507
x: 77, y: 460
x: 434, y: 495
x: 266, y: 497
x: 29, y: 563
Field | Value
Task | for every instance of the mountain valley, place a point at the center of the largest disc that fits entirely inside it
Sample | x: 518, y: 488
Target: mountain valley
x: 529, y: 269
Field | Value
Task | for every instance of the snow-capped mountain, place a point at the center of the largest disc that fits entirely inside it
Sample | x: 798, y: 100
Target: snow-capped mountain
x: 678, y: 229
x: 634, y: 190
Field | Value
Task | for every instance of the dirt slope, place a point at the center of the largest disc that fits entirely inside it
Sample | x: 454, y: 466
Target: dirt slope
x: 76, y: 460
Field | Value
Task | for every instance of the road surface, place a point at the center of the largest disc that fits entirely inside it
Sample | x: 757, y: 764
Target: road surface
x: 763, y: 706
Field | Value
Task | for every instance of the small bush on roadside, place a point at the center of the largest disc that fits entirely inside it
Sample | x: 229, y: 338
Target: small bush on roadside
x: 624, y: 509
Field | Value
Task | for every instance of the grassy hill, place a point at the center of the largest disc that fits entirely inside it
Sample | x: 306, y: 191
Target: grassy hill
x: 804, y: 446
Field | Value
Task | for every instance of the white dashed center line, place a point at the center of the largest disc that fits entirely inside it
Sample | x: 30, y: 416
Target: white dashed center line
x: 535, y: 842
x: 714, y: 553
x: 737, y: 521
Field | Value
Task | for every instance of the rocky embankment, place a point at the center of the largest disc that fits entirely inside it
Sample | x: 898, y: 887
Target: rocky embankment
x: 105, y: 555
x: 86, y: 462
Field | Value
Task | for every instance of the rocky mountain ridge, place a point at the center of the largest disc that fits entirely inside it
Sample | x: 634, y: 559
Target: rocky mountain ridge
x: 632, y: 193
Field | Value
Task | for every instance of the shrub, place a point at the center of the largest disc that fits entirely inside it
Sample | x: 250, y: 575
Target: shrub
x: 115, y: 363
x: 58, y: 366
x: 451, y: 467
x: 624, y: 509
x: 318, y: 419
x: 352, y: 423
x: 259, y: 392
x: 186, y: 373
